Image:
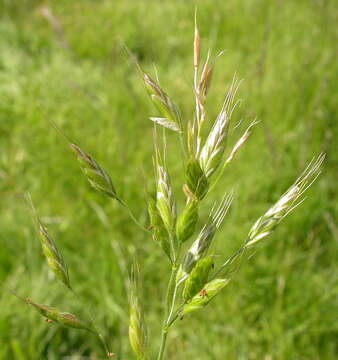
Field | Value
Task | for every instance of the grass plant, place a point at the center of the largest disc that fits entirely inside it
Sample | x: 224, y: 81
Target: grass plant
x: 194, y: 280
x: 61, y: 63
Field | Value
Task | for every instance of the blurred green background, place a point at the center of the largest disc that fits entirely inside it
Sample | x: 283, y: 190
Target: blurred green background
x: 62, y: 61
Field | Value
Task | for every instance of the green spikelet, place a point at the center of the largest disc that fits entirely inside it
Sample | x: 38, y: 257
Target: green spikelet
x: 186, y: 222
x: 198, y: 278
x: 205, y: 295
x: 163, y: 103
x: 54, y: 314
x: 53, y: 255
x: 98, y: 178
x: 160, y: 234
x: 165, y: 201
x: 196, y: 179
x: 198, y: 248
x: 137, y: 327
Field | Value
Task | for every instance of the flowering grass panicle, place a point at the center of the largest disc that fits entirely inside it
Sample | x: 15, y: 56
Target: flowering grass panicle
x: 195, y: 277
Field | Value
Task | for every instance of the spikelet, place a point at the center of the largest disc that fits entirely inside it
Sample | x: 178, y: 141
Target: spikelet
x: 160, y: 234
x: 205, y: 80
x: 171, y: 117
x: 165, y: 199
x: 201, y: 245
x: 213, y: 150
x: 266, y: 224
x: 211, y: 156
x: 196, y: 180
x: 186, y: 222
x: 203, y: 298
x: 198, y: 278
x: 53, y: 255
x: 98, y: 178
x: 137, y: 327
x: 54, y: 314
x: 241, y: 142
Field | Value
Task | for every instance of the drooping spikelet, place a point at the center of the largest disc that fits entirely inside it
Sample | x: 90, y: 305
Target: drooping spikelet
x: 54, y: 314
x: 53, y: 255
x: 266, y: 224
x: 137, y: 327
x: 98, y: 178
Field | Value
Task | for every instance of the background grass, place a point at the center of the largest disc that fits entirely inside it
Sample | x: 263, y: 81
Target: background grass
x: 283, y: 304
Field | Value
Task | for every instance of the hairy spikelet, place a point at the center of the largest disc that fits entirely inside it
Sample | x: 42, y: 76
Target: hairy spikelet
x: 98, y: 178
x: 197, y: 278
x: 160, y: 234
x: 137, y: 327
x: 202, y: 299
x: 288, y: 201
x: 54, y: 258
